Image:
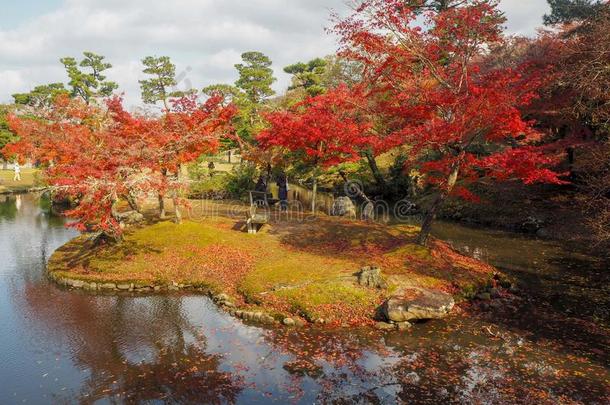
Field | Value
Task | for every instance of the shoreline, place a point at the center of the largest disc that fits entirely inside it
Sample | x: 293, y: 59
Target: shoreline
x: 321, y: 293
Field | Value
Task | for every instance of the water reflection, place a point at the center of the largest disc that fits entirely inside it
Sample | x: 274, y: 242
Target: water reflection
x: 65, y: 346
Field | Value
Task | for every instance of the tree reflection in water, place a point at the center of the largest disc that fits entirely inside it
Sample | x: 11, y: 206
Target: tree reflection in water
x: 134, y: 349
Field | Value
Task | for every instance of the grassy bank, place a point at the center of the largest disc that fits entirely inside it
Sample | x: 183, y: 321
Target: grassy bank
x: 28, y: 180
x: 302, y: 269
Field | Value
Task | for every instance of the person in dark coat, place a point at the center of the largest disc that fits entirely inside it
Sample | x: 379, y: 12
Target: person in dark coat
x: 282, y: 184
x: 261, y: 184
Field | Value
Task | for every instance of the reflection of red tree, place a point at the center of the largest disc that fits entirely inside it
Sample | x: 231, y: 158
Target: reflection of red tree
x: 336, y: 359
x: 105, y: 334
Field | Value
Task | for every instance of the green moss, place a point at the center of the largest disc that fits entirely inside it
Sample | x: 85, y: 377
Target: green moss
x: 301, y: 269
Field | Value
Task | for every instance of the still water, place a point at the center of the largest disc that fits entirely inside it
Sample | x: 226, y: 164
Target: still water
x: 59, y: 346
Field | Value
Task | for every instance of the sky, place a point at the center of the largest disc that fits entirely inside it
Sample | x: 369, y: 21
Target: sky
x: 204, y: 38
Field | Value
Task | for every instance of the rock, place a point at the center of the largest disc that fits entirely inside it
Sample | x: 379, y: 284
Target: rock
x: 268, y: 319
x: 228, y: 304
x: 532, y: 224
x: 514, y: 290
x: 412, y: 378
x: 371, y: 277
x: 368, y: 213
x: 343, y: 207
x: 288, y: 322
x: 414, y: 304
x: 485, y: 296
x: 402, y: 326
x: 543, y: 233
x: 130, y: 217
x: 385, y: 326
x: 221, y: 298
x: 124, y: 287
x: 108, y: 286
x: 78, y: 284
x: 157, y: 288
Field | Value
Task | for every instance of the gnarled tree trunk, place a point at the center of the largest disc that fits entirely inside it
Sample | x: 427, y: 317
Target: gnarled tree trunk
x: 438, y: 202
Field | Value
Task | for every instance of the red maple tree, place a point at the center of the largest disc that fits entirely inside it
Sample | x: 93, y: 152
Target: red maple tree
x: 98, y: 156
x: 460, y: 117
x: 321, y: 131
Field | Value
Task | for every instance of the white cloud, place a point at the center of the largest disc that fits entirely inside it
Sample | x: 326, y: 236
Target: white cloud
x: 203, y: 37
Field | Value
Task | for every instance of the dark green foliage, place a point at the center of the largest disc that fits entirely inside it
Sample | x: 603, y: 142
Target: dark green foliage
x: 308, y: 76
x: 158, y: 87
x: 241, y: 180
x: 250, y: 93
x: 6, y: 135
x: 566, y: 11
x: 41, y: 96
x: 399, y: 184
x: 92, y: 83
x: 255, y: 76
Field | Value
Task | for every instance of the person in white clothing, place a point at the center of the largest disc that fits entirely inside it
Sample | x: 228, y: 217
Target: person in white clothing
x: 17, y: 169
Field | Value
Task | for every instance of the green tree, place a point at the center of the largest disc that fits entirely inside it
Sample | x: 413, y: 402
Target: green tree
x: 92, y: 83
x: 255, y: 77
x: 228, y: 92
x: 341, y: 71
x: 566, y: 11
x: 6, y: 135
x: 41, y: 96
x: 309, y: 76
x: 159, y: 86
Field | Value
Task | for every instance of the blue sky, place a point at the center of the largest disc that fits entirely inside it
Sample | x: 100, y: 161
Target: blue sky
x: 15, y: 12
x: 205, y: 38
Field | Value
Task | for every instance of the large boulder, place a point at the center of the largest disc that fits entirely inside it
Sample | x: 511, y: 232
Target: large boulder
x: 417, y: 304
x: 343, y: 207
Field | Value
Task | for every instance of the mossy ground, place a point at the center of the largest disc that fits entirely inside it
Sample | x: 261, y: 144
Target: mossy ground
x: 304, y: 268
x: 29, y: 178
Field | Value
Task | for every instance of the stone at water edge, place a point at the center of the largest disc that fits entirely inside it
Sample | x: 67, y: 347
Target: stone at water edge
x: 418, y: 304
x: 371, y: 277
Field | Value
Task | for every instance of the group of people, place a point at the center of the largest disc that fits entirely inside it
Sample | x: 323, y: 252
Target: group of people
x: 283, y: 188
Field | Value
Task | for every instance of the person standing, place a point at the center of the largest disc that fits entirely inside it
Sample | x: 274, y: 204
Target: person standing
x: 282, y: 184
x: 17, y: 169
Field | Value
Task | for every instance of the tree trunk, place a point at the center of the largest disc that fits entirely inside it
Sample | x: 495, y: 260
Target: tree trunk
x: 375, y: 170
x: 314, y: 194
x: 162, y: 198
x: 430, y: 216
x: 178, y: 214
x: 132, y: 201
x: 161, y: 206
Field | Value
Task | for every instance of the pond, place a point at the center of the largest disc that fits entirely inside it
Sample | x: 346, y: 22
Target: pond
x: 550, y: 345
